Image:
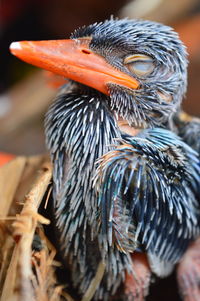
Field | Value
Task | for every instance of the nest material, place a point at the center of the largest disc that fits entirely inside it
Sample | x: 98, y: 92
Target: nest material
x: 27, y: 274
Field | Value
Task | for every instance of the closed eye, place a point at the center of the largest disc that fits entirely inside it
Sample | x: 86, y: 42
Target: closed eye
x: 140, y: 64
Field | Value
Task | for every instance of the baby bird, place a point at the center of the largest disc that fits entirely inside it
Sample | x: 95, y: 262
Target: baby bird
x: 125, y: 185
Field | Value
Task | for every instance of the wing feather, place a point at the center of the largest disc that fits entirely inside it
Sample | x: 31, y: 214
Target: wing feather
x: 154, y: 178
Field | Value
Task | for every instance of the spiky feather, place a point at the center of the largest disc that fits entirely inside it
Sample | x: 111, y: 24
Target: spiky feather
x: 114, y: 193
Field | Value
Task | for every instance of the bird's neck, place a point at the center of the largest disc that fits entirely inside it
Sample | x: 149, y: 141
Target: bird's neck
x: 79, y: 130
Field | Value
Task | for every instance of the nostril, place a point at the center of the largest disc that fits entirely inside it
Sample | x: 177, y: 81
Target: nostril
x: 85, y: 51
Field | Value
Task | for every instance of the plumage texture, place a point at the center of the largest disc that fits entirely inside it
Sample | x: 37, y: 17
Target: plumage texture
x: 152, y: 170
x: 115, y: 193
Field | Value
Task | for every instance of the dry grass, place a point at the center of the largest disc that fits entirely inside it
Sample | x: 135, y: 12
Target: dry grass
x: 26, y: 274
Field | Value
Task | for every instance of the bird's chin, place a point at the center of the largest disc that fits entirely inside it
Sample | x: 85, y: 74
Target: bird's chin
x: 141, y: 108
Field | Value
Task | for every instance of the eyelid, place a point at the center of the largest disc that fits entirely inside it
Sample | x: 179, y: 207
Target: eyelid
x: 138, y: 58
x: 140, y: 64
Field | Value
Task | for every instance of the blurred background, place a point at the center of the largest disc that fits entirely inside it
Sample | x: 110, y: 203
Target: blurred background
x: 26, y: 92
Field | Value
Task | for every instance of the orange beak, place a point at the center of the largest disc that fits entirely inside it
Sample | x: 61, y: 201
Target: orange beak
x: 74, y: 60
x: 5, y: 158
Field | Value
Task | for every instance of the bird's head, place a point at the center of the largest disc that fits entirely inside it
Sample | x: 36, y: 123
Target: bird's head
x: 140, y: 65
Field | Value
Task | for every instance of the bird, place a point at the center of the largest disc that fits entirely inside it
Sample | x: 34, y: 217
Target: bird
x: 125, y: 180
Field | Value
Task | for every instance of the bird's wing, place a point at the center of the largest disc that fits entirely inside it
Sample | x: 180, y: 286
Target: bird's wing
x: 146, y: 191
